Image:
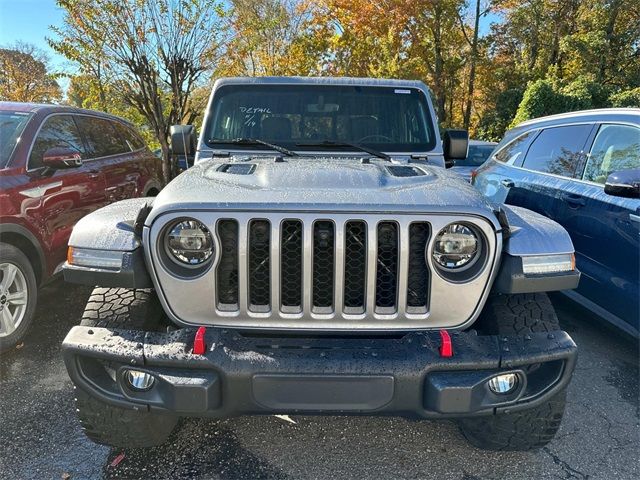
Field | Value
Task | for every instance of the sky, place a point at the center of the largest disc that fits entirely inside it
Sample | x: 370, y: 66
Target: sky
x: 28, y: 21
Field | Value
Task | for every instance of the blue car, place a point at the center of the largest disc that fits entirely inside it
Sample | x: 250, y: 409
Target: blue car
x: 582, y: 169
x: 477, y: 154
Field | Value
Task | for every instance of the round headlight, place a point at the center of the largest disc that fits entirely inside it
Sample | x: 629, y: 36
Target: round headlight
x: 456, y: 247
x: 189, y: 242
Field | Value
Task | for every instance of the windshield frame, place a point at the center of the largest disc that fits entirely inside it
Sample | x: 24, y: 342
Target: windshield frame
x: 16, y: 136
x: 207, y: 142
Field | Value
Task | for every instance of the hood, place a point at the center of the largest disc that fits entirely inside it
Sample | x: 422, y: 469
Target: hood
x: 319, y: 184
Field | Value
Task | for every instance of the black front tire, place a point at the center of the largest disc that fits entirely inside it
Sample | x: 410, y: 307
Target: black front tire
x: 134, y: 309
x: 13, y: 256
x: 530, y: 429
x: 120, y: 427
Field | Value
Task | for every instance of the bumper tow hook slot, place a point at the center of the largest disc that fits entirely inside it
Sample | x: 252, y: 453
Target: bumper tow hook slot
x: 446, y: 347
x: 199, y: 346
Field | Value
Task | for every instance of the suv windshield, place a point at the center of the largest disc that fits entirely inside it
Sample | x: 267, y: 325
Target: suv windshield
x: 312, y: 117
x: 477, y: 155
x: 11, y: 126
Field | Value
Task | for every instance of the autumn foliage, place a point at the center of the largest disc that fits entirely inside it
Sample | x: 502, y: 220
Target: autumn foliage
x: 489, y: 63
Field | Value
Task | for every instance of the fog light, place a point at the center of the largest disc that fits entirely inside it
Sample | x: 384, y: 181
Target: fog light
x: 505, y: 383
x: 138, y: 380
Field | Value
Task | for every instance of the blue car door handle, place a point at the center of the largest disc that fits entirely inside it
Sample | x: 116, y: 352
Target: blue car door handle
x: 575, y: 200
x: 634, y: 218
x: 507, y: 183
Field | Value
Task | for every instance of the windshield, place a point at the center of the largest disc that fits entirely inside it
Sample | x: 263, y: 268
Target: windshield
x: 11, y: 126
x: 302, y: 117
x: 477, y: 155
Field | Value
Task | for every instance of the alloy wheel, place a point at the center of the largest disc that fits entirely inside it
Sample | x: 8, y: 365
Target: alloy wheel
x: 13, y: 298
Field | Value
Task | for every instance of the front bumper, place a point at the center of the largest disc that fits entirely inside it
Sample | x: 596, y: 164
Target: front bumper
x: 241, y: 374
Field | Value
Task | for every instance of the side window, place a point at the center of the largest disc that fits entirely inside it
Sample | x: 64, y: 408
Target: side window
x: 616, y: 147
x: 101, y: 137
x: 136, y: 139
x: 557, y: 150
x: 514, y: 150
x: 129, y: 136
x: 57, y: 131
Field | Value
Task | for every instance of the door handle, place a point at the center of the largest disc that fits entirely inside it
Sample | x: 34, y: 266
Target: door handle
x: 634, y: 218
x: 507, y: 183
x: 575, y: 200
x: 93, y: 174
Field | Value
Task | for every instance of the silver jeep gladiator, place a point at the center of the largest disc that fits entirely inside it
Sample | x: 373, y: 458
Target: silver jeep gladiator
x: 319, y: 258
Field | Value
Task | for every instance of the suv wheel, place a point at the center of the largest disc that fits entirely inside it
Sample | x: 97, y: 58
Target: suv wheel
x: 134, y: 309
x: 18, y: 295
x: 528, y: 429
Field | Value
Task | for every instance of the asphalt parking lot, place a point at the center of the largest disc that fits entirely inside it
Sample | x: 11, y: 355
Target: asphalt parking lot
x: 40, y: 437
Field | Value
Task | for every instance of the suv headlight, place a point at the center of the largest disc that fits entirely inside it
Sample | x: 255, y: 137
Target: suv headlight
x: 456, y: 247
x: 189, y: 243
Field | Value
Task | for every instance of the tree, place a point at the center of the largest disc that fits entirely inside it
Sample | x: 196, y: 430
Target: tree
x: 473, y: 55
x: 266, y: 38
x: 25, y: 75
x: 153, y: 52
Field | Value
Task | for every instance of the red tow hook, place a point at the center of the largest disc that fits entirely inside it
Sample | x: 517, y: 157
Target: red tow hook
x: 199, y: 347
x: 446, y: 347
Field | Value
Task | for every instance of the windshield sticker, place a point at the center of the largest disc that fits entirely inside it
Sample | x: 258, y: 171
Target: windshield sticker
x: 402, y: 90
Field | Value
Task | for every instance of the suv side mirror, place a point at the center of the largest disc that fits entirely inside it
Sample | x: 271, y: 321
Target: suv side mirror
x: 61, y: 157
x: 624, y: 183
x: 183, y: 140
x: 456, y: 146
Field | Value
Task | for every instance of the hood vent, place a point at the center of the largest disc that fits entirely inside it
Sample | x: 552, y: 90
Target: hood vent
x: 238, y: 168
x: 405, y: 171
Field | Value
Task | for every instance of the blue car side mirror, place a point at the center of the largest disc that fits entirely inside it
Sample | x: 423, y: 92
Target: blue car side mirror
x: 624, y: 183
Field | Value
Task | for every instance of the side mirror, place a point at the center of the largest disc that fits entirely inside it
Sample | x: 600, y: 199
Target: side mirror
x: 61, y: 157
x: 183, y: 140
x: 624, y: 183
x: 456, y: 146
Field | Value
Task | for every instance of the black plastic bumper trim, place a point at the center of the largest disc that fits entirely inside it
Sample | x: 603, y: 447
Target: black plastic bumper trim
x: 318, y: 375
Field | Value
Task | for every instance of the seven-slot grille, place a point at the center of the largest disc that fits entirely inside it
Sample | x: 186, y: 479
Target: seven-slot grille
x: 322, y: 267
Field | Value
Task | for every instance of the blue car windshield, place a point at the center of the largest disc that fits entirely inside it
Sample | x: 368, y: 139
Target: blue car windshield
x: 477, y: 155
x: 304, y: 117
x: 11, y: 126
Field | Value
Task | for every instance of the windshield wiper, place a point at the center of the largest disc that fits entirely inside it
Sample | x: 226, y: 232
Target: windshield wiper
x: 256, y: 141
x: 330, y: 143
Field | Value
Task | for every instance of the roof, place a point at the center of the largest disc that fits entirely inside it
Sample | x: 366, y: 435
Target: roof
x: 595, y: 115
x: 53, y: 108
x: 481, y: 142
x: 370, y: 82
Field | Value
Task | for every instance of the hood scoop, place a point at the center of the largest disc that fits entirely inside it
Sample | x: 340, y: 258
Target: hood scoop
x: 405, y: 171
x: 237, y: 168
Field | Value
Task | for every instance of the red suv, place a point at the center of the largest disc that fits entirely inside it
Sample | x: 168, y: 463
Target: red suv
x: 56, y: 165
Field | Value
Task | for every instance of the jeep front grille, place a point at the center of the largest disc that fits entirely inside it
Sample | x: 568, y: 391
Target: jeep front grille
x: 356, y: 258
x: 227, y: 275
x: 259, y: 265
x: 291, y: 266
x: 355, y: 267
x: 323, y: 271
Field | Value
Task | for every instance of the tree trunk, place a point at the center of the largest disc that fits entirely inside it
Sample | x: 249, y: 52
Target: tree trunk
x: 439, y: 66
x: 166, y: 160
x: 472, y: 70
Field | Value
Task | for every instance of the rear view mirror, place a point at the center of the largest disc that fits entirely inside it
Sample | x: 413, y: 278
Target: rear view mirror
x: 456, y: 146
x: 624, y: 183
x: 61, y: 157
x: 183, y: 140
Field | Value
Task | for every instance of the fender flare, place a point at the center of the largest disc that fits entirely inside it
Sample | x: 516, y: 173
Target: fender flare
x: 31, y: 238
